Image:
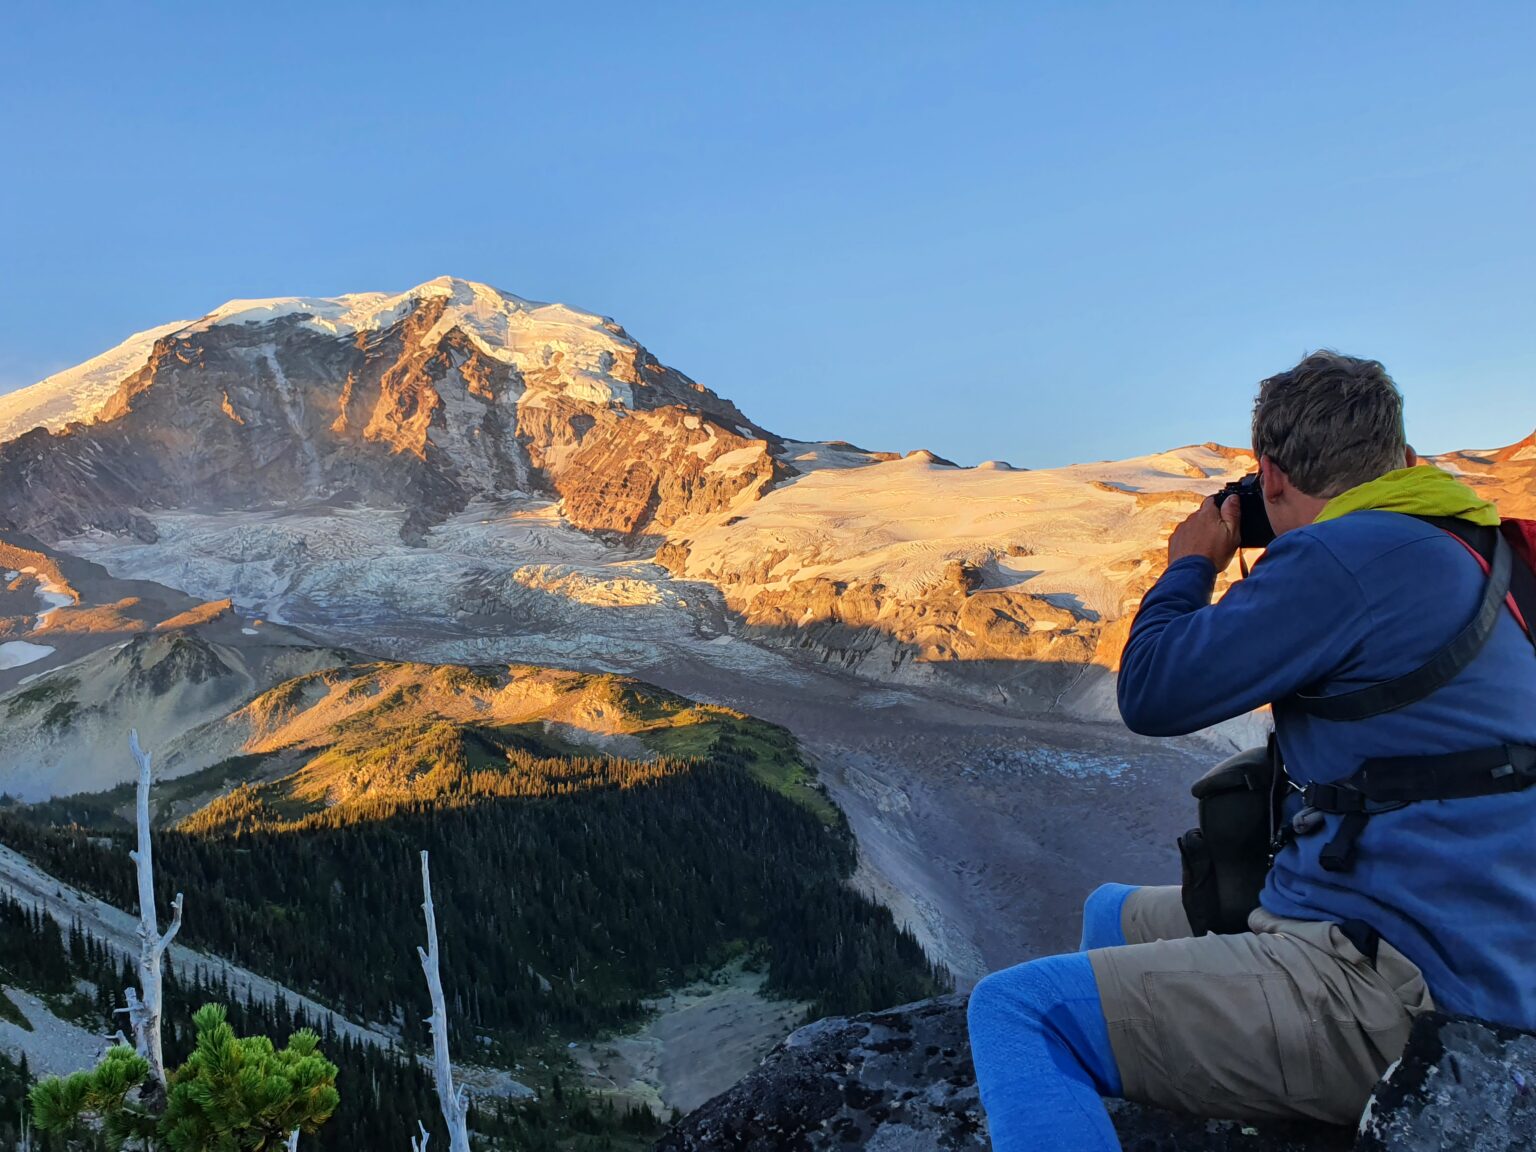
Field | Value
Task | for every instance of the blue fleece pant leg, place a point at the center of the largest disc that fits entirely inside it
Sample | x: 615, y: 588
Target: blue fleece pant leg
x: 1043, y: 1059
x: 1101, y: 916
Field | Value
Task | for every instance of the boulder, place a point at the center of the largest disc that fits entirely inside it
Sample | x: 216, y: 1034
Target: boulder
x: 902, y: 1081
x: 1463, y: 1084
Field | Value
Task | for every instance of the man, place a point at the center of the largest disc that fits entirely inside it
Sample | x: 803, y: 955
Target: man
x: 1435, y: 902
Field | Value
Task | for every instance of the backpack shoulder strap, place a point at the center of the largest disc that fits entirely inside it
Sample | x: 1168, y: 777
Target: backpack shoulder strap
x: 1443, y: 667
x: 1522, y: 576
x: 1384, y: 785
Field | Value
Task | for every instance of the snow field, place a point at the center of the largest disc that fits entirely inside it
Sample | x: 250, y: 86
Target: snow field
x: 15, y: 653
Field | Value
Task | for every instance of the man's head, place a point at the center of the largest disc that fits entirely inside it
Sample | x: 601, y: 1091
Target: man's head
x: 1321, y: 428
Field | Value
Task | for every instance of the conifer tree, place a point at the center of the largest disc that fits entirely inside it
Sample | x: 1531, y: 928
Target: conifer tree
x: 233, y: 1094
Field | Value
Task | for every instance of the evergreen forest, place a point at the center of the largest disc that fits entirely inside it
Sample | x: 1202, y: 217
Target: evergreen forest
x: 570, y: 888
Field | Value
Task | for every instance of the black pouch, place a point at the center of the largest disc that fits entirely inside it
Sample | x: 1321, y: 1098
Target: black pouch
x: 1226, y: 859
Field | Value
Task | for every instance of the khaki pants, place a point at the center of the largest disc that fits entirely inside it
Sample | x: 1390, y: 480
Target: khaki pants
x: 1285, y: 1021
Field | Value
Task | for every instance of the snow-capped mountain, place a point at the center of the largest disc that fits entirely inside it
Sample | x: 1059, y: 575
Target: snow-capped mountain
x: 423, y: 400
x: 457, y: 473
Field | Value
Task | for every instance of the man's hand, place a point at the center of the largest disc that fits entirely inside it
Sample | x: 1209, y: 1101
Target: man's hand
x: 1209, y: 531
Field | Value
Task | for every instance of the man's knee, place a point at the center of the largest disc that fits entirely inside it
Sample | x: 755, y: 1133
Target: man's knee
x: 1103, y: 911
x: 997, y: 996
x: 1054, y: 1000
x: 1026, y: 993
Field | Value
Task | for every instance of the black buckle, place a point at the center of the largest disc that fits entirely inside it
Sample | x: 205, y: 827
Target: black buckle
x: 1334, y: 798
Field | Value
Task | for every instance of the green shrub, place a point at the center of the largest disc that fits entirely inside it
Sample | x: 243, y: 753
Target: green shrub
x: 233, y: 1094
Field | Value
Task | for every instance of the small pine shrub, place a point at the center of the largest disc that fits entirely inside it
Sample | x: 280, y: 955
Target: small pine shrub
x: 234, y: 1094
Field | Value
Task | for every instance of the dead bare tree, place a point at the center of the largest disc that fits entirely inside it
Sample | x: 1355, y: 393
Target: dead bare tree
x: 453, y: 1101
x: 146, y: 1001
x: 419, y: 1143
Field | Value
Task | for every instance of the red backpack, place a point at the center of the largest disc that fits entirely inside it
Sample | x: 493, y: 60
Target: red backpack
x: 1521, y: 537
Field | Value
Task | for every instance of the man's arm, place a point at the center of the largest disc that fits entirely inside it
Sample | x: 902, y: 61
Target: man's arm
x: 1189, y: 663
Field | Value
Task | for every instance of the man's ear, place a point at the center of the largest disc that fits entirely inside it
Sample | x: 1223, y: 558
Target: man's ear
x: 1272, y: 479
x: 1410, y: 457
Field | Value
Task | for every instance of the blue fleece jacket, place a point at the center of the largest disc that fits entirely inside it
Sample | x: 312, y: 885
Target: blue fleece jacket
x: 1337, y: 606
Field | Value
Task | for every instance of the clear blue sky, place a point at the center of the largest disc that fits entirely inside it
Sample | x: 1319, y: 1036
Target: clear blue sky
x: 1037, y: 232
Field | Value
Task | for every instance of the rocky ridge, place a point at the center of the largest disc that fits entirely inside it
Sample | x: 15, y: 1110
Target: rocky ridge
x: 902, y: 1081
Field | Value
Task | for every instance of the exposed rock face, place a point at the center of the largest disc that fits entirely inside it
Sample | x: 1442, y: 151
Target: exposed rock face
x: 902, y: 1081
x: 899, y: 1080
x: 864, y: 625
x: 423, y: 401
x: 1462, y: 1084
x: 639, y: 470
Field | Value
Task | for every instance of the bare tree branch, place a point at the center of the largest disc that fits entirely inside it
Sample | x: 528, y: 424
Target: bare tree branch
x: 454, y: 1104
x: 144, y: 1007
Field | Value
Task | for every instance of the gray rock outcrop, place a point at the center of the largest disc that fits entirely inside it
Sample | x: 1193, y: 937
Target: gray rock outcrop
x: 902, y: 1081
x: 1462, y: 1084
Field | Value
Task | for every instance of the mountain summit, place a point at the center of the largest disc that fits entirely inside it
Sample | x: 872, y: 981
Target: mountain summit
x: 425, y: 400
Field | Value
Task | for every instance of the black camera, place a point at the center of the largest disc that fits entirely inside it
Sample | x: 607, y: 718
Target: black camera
x: 1256, y: 531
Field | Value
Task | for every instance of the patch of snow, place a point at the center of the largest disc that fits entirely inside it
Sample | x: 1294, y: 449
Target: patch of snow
x: 587, y: 588
x: 704, y: 447
x: 54, y: 596
x: 15, y: 653
x: 734, y: 459
x: 250, y: 632
x: 483, y: 446
x: 1368, y: 1117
